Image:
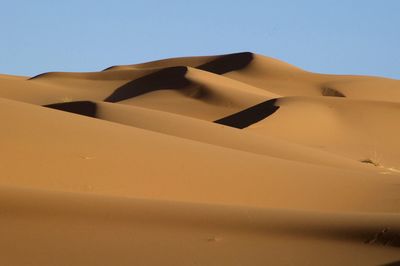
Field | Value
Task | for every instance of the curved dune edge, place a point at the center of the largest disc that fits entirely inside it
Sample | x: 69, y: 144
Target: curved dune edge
x: 235, y: 159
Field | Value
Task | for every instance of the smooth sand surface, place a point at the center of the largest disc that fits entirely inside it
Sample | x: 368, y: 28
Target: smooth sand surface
x: 236, y: 159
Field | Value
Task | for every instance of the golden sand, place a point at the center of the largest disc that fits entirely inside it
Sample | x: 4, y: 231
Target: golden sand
x: 237, y: 159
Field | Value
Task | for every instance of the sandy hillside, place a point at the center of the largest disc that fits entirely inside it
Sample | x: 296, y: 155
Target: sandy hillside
x: 237, y: 159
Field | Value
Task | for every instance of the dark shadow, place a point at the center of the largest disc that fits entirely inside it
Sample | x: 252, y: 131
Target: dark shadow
x: 385, y: 237
x: 250, y: 115
x: 41, y: 75
x: 227, y: 63
x: 167, y: 78
x: 108, y: 68
x: 80, y: 107
x: 326, y: 91
x: 394, y: 263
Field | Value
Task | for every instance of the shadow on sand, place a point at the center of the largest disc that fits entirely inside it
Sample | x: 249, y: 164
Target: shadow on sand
x: 250, y: 115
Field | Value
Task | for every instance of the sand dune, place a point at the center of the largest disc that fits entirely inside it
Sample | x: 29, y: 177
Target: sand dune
x: 237, y: 159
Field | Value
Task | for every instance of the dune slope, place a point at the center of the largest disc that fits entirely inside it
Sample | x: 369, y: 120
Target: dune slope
x: 236, y: 159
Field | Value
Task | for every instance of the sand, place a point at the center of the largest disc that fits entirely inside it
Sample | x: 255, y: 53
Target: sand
x: 236, y: 159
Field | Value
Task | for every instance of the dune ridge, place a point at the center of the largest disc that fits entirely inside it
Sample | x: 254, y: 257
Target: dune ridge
x: 235, y: 159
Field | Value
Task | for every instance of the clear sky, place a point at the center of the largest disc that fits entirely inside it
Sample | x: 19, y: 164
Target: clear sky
x: 331, y: 36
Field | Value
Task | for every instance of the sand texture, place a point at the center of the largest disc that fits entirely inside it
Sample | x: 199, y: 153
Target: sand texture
x: 236, y: 159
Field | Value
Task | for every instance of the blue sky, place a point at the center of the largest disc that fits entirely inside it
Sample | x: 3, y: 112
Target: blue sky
x: 338, y: 36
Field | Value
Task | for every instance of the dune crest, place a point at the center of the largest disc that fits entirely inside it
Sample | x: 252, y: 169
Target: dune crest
x: 235, y: 159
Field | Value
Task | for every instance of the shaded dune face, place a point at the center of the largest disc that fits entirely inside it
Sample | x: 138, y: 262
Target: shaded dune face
x: 228, y: 63
x: 393, y: 263
x: 168, y: 78
x: 326, y: 91
x: 250, y: 115
x: 85, y: 108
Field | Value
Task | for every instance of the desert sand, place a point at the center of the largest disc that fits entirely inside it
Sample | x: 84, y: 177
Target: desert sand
x: 236, y: 159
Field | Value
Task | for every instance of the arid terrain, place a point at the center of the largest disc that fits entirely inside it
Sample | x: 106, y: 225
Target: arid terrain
x: 237, y: 159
